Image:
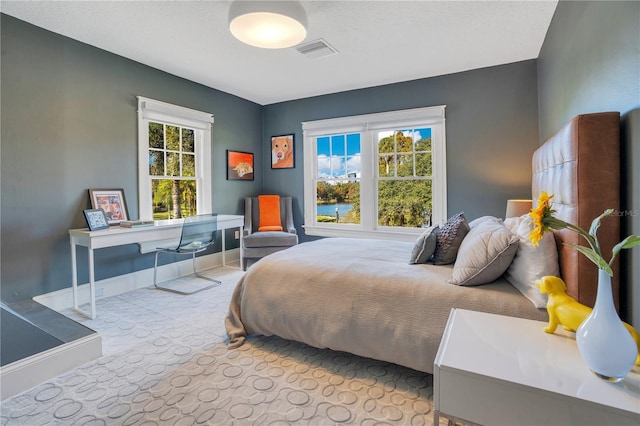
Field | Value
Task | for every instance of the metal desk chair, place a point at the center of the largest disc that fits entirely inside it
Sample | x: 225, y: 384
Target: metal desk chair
x: 198, y: 233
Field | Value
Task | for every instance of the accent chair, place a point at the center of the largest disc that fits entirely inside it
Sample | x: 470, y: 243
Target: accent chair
x: 272, y: 232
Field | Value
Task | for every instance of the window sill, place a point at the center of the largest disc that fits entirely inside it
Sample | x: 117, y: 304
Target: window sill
x: 408, y: 235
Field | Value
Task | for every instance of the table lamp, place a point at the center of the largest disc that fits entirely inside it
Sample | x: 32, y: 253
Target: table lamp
x: 517, y: 208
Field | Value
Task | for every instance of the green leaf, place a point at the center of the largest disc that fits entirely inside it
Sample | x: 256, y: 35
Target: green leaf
x: 595, y: 225
x: 629, y: 242
x: 592, y: 256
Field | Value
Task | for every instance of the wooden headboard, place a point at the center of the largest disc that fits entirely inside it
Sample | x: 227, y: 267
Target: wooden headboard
x: 580, y: 165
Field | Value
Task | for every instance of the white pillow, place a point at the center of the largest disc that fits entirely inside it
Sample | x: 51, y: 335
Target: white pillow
x: 512, y: 223
x: 478, y: 221
x: 485, y: 253
x: 532, y: 263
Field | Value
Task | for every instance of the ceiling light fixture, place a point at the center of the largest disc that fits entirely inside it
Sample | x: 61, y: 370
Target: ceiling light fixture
x: 268, y: 24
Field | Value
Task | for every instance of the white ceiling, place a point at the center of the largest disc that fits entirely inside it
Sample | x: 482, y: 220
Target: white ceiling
x: 379, y: 42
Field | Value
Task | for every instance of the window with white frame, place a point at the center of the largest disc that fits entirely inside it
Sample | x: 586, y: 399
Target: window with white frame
x: 376, y: 175
x: 174, y: 160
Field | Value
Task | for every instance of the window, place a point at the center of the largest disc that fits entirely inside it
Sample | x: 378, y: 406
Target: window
x: 338, y: 178
x: 377, y: 175
x: 174, y: 160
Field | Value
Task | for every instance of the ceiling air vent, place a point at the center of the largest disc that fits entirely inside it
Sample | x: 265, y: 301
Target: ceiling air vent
x: 316, y: 49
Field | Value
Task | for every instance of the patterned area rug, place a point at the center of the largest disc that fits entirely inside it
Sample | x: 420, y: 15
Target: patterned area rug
x: 165, y: 362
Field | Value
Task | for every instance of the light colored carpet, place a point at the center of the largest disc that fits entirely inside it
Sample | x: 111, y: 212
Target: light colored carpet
x: 165, y: 362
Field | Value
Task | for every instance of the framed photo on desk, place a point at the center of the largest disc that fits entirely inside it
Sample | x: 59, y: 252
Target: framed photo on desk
x: 96, y: 219
x: 112, y: 202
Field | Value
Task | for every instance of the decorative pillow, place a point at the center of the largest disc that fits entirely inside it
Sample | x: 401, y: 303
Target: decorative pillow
x: 425, y: 246
x: 269, y: 213
x: 449, y: 237
x: 532, y: 263
x: 485, y: 253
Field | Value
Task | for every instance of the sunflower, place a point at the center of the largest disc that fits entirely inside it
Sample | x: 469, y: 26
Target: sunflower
x: 539, y: 214
x: 544, y: 221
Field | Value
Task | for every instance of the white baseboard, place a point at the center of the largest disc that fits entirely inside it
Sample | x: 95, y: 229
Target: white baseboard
x: 63, y: 299
x: 26, y: 373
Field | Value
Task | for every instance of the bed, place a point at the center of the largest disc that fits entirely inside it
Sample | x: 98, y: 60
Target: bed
x: 363, y: 297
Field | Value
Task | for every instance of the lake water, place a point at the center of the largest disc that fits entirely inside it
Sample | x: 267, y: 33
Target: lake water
x: 330, y: 209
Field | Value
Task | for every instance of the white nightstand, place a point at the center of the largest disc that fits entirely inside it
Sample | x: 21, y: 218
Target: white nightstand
x: 498, y: 370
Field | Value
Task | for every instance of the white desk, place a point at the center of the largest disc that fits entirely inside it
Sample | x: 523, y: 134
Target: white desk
x: 497, y: 370
x: 117, y: 236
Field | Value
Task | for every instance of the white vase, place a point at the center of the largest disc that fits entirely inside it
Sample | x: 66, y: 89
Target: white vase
x: 604, y: 343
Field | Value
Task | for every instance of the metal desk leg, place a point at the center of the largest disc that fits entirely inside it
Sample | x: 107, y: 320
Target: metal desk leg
x: 92, y: 285
x: 223, y: 248
x: 74, y: 274
x: 74, y: 282
x: 241, y: 236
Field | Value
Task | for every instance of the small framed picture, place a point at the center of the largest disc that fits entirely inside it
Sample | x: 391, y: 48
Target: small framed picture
x: 112, y: 202
x: 282, y: 152
x: 239, y: 165
x: 96, y: 219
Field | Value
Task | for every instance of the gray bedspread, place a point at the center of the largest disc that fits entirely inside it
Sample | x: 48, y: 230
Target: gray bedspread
x: 360, y: 296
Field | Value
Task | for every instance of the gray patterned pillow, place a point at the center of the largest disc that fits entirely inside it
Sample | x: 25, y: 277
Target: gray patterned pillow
x: 450, y: 236
x: 425, y: 246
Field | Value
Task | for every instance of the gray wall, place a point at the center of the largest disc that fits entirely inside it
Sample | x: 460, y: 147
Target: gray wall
x: 69, y: 123
x: 590, y: 62
x: 491, y: 125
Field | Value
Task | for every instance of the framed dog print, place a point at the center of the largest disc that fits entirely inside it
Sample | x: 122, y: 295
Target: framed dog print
x: 96, y: 219
x: 112, y: 202
x: 282, y: 152
x: 239, y: 165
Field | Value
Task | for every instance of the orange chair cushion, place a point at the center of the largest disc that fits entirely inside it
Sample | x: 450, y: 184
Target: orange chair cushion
x: 269, y: 213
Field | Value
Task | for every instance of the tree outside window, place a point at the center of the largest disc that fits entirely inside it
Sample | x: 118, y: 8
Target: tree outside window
x: 172, y: 168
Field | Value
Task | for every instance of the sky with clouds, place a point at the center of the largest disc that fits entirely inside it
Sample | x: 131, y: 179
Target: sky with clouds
x: 339, y: 155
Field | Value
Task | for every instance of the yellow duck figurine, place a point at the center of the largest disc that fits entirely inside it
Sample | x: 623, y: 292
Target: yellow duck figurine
x: 566, y: 311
